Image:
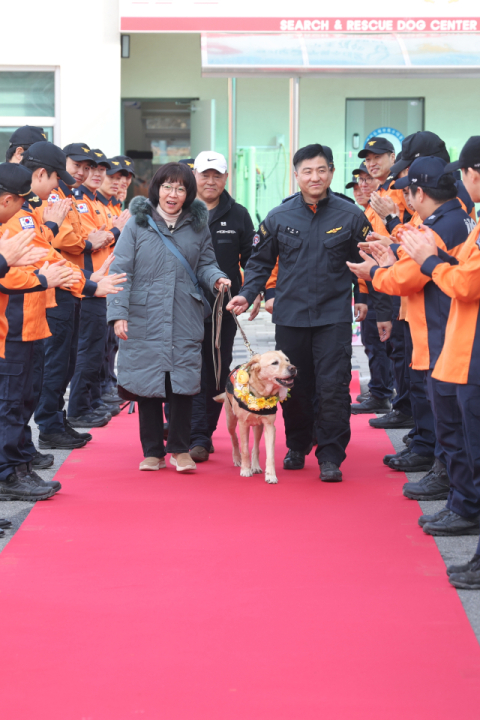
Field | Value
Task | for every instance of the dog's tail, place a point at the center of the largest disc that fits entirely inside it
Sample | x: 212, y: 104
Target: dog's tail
x: 220, y: 398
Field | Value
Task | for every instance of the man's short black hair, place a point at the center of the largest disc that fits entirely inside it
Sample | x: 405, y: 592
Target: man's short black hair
x: 311, y: 151
x: 173, y: 172
x: 12, y: 150
x: 446, y: 190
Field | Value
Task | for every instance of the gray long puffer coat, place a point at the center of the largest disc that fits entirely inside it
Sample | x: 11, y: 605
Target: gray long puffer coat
x: 164, y: 313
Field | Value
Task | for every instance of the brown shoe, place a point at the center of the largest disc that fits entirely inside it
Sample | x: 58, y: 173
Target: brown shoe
x: 199, y: 454
x: 153, y: 463
x: 183, y: 462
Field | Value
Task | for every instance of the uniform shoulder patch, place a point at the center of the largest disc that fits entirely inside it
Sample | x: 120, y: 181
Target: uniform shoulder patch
x: 365, y: 230
x: 256, y: 239
x: 27, y: 223
x: 53, y: 197
x: 334, y: 230
x: 82, y: 207
x: 263, y: 230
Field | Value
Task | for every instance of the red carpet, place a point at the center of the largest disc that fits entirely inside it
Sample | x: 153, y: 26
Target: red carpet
x: 215, y: 597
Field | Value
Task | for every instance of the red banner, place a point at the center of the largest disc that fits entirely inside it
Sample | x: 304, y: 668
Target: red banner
x: 301, y: 25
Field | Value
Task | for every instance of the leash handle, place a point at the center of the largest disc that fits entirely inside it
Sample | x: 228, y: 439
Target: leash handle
x: 216, y: 333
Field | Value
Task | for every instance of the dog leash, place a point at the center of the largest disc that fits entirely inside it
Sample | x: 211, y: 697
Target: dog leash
x: 216, y: 332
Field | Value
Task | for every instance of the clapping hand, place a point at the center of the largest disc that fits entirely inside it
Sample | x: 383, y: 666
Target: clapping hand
x: 419, y: 243
x: 17, y: 250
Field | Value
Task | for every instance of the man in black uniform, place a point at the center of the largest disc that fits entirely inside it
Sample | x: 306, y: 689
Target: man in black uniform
x: 313, y: 234
x: 232, y: 233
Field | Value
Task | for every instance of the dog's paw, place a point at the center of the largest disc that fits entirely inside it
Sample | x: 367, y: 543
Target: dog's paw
x: 257, y: 470
x: 246, y: 472
x: 237, y: 461
x: 271, y: 479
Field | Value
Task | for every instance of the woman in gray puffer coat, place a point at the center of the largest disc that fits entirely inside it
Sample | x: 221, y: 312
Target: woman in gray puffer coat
x: 159, y: 316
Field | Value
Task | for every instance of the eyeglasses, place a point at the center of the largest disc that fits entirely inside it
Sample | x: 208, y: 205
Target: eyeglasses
x: 365, y: 181
x: 169, y: 189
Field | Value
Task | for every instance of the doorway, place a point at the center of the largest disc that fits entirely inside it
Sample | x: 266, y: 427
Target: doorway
x: 366, y: 118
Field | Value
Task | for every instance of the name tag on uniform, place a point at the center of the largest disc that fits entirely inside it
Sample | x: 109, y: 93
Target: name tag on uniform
x: 27, y: 223
x: 292, y: 231
x: 82, y: 207
x: 53, y: 198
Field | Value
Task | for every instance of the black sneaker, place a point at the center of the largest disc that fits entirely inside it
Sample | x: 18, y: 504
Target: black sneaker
x: 40, y: 482
x: 111, y: 397
x: 424, y: 519
x: 434, y: 486
x: 212, y: 450
x: 18, y: 486
x: 468, y: 579
x: 393, y: 419
x: 363, y: 396
x: 452, y: 525
x: 455, y: 569
x: 294, y: 460
x: 2, y: 533
x: 411, y: 462
x: 372, y: 405
x: 387, y: 458
x: 5, y: 524
x: 72, y: 432
x: 89, y: 420
x: 329, y: 472
x: 42, y: 461
x: 111, y: 409
x: 60, y: 441
x: 406, y: 439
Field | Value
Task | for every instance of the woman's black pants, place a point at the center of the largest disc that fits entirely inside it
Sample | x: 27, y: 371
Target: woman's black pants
x: 150, y: 411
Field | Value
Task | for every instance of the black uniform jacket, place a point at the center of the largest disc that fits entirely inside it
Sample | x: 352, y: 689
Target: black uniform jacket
x: 314, y: 285
x: 232, y: 232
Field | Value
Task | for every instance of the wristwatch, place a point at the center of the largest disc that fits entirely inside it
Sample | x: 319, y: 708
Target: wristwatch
x: 389, y: 218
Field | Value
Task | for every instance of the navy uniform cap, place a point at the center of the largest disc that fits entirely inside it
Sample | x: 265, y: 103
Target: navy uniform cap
x: 121, y: 163
x: 51, y: 157
x: 99, y: 158
x: 187, y: 161
x: 469, y: 156
x: 360, y: 169
x: 128, y: 164
x: 425, y: 172
x: 15, y: 179
x: 77, y: 151
x: 378, y: 145
x: 27, y: 135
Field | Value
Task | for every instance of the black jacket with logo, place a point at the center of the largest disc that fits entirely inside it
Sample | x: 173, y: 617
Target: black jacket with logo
x: 232, y: 232
x: 314, y: 285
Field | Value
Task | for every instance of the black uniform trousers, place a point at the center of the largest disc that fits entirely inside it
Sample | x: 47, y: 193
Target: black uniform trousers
x: 396, y: 353
x: 205, y: 411
x: 468, y: 397
x: 108, y: 379
x: 423, y: 442
x: 17, y: 398
x: 450, y: 450
x: 150, y: 413
x: 323, y: 358
x: 85, y: 385
x: 381, y: 381
x: 60, y: 359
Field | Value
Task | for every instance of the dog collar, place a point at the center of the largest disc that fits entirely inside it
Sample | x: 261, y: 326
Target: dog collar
x: 239, y: 381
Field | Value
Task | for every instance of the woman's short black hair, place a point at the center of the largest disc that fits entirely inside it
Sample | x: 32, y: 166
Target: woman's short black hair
x: 169, y: 173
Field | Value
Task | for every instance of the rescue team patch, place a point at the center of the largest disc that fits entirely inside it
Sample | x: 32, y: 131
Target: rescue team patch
x: 263, y: 230
x: 27, y: 223
x: 333, y: 230
x: 292, y: 231
x: 53, y: 198
x: 82, y: 207
x: 365, y: 231
x: 256, y: 239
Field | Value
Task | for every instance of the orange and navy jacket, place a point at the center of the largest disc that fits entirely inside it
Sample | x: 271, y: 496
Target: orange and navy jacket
x: 71, y: 238
x: 94, y: 216
x: 378, y: 226
x: 387, y: 190
x: 26, y: 313
x: 15, y: 281
x: 459, y: 360
x: 115, y: 206
x: 428, y: 307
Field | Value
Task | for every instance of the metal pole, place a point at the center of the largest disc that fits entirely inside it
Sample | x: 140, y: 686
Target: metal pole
x: 294, y: 126
x: 232, y: 135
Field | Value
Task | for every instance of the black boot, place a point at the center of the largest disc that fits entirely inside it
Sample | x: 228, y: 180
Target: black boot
x: 452, y: 525
x: 40, y: 482
x: 329, y: 472
x: 60, y: 441
x: 5, y: 524
x: 363, y: 396
x: 89, y: 420
x: 411, y: 462
x: 455, y: 569
x: 70, y: 430
x: 434, y: 486
x: 19, y: 486
x: 387, y: 458
x: 42, y: 461
x: 294, y: 460
x: 406, y: 439
x: 372, y: 405
x: 469, y: 579
x: 393, y: 419
x: 424, y: 519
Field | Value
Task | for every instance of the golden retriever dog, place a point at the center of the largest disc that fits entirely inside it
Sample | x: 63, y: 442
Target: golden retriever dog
x: 252, y: 393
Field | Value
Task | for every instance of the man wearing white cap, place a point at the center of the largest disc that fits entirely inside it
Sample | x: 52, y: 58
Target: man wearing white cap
x: 232, y: 233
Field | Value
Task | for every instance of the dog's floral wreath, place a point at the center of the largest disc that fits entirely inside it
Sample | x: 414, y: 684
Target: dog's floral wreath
x: 240, y: 381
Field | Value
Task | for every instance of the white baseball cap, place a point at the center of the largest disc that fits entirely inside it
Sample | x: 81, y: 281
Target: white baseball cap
x: 210, y: 160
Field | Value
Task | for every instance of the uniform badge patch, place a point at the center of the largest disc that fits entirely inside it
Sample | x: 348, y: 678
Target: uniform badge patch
x: 333, y: 230
x: 27, y: 223
x: 82, y: 207
x: 53, y: 198
x: 256, y: 239
x: 263, y: 230
x: 365, y: 231
x: 372, y: 142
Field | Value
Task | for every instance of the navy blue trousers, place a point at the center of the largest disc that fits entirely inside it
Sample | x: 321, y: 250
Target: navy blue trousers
x: 423, y: 442
x: 450, y: 448
x: 16, y: 401
x: 396, y: 353
x: 381, y: 380
x: 60, y: 360
x: 205, y: 411
x: 85, y: 385
x: 468, y: 397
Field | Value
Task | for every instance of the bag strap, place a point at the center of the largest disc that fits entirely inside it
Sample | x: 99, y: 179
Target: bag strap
x: 175, y: 251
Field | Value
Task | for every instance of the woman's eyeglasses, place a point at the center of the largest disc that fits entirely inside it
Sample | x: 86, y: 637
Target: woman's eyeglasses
x: 169, y: 189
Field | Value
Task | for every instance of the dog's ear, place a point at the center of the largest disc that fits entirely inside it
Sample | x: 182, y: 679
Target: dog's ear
x: 253, y: 364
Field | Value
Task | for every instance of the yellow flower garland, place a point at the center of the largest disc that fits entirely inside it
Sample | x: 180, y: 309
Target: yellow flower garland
x: 240, y: 380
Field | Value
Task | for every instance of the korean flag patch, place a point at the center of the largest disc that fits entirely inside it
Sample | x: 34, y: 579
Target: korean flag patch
x: 53, y: 197
x: 27, y: 223
x: 256, y: 239
x: 82, y: 207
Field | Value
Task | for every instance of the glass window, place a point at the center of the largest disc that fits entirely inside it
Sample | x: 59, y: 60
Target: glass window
x: 24, y: 94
